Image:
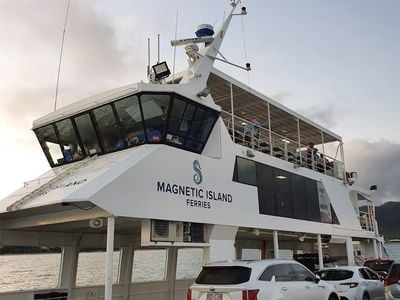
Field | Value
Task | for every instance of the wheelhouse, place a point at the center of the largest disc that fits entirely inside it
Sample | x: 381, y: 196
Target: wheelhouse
x: 137, y: 119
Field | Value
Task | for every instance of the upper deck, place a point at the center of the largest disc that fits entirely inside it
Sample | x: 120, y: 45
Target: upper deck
x: 147, y: 113
x: 260, y: 123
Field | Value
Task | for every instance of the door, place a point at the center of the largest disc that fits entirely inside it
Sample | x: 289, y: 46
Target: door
x: 376, y: 284
x: 285, y: 284
x: 308, y: 283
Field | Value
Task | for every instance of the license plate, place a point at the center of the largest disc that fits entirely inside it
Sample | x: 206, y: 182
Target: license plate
x: 214, y: 296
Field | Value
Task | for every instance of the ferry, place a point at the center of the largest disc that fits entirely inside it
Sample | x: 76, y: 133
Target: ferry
x: 194, y: 160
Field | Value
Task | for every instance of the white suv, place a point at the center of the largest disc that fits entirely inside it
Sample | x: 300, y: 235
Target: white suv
x: 263, y: 279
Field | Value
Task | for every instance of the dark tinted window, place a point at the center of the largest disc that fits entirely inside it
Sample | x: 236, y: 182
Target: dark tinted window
x: 395, y: 271
x: 314, y: 213
x: 189, y: 125
x: 302, y: 273
x: 128, y: 122
x: 282, y: 272
x: 50, y: 144
x: 69, y: 141
x: 224, y: 275
x: 372, y: 274
x: 155, y: 113
x: 180, y: 121
x: 335, y: 274
x: 299, y: 197
x: 130, y: 118
x: 110, y: 134
x: 281, y: 193
x: 378, y: 265
x: 246, y: 171
x: 363, y: 273
x: 88, y: 134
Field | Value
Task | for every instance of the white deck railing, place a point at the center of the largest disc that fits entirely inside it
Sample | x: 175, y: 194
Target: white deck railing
x: 277, y: 145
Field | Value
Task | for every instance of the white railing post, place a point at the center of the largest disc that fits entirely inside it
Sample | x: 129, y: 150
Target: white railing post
x: 269, y: 131
x: 320, y: 256
x: 349, y: 250
x: 109, y: 258
x: 232, y: 115
x: 276, y: 244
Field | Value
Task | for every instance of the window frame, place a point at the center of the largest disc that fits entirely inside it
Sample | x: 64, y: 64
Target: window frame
x: 121, y: 128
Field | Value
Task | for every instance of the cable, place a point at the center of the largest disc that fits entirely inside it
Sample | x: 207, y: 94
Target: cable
x: 245, y: 51
x: 176, y: 34
x: 61, y: 53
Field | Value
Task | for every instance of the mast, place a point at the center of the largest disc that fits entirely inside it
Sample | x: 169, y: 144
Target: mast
x: 202, y: 62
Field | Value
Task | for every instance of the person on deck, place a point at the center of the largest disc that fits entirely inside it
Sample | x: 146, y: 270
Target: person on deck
x: 312, y: 155
x: 252, y: 132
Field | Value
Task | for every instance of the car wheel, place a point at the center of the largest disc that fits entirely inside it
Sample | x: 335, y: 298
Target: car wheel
x: 365, y: 296
x: 333, y: 297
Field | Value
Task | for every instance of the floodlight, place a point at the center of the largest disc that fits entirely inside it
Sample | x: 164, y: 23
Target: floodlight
x: 161, y: 70
x: 204, y: 92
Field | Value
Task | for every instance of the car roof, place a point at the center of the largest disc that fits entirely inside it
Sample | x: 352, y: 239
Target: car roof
x: 379, y: 260
x: 250, y: 263
x: 348, y: 268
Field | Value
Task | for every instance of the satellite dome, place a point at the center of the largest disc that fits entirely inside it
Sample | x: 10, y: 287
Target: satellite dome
x: 204, y: 30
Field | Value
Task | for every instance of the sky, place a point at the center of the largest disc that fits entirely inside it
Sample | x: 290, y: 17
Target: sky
x: 336, y: 62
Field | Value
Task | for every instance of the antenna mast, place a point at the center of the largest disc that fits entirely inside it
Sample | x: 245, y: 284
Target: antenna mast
x: 61, y: 53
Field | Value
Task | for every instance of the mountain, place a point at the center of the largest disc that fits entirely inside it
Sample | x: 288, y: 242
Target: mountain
x: 388, y: 218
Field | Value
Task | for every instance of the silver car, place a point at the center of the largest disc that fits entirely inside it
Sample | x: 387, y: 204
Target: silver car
x: 354, y: 283
x: 262, y: 279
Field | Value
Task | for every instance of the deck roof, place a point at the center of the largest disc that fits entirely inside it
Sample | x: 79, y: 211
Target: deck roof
x: 248, y: 102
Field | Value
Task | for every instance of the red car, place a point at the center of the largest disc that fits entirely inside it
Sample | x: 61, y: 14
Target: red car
x: 379, y: 265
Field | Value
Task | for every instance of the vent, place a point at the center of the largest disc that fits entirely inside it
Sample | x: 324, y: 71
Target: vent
x: 180, y: 233
x: 166, y: 231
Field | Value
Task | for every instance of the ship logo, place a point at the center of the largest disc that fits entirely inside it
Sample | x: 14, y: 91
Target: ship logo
x: 198, y: 177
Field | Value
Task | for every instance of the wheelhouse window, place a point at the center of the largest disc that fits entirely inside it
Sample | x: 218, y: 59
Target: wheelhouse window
x: 155, y: 112
x: 131, y: 121
x: 130, y: 118
x: 109, y: 131
x: 50, y: 145
x: 88, y: 134
x: 69, y: 141
x: 189, y: 125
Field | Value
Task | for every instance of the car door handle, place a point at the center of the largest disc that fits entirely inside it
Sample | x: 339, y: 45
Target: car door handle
x: 307, y: 286
x: 284, y: 288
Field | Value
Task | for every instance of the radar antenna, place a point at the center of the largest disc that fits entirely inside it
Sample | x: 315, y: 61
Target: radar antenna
x: 201, y: 62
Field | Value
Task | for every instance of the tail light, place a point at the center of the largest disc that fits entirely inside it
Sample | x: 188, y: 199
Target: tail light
x: 390, y: 281
x: 351, y: 284
x: 250, y: 294
x: 189, y: 294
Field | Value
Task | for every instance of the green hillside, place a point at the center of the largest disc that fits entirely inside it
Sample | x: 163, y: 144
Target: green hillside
x: 388, y: 217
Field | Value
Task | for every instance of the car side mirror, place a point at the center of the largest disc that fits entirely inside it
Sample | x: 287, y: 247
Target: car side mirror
x: 317, y: 278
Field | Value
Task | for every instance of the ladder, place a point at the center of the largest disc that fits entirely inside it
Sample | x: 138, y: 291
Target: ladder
x: 49, y: 184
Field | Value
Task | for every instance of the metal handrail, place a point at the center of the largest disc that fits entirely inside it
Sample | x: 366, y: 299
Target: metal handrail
x: 279, y: 146
x: 366, y: 221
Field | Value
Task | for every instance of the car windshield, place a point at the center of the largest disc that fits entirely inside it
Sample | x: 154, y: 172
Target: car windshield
x: 330, y: 275
x: 379, y: 265
x: 224, y: 275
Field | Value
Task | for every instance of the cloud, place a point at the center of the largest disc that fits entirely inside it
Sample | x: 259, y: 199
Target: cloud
x: 281, y: 96
x: 95, y: 58
x: 376, y: 163
x: 327, y: 115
